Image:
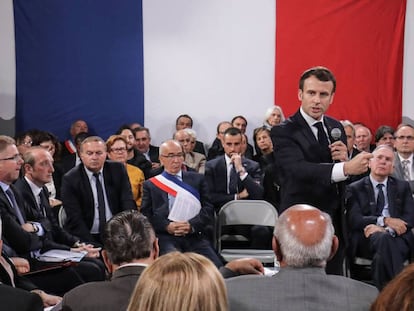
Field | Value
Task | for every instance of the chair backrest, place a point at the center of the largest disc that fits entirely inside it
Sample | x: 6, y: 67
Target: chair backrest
x: 247, y: 212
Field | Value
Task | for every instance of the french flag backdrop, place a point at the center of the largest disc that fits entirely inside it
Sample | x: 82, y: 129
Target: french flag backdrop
x: 148, y: 61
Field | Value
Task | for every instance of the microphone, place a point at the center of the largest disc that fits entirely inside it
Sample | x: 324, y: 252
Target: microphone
x: 336, y: 134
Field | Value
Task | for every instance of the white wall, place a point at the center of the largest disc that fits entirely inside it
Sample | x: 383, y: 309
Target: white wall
x: 210, y: 59
x: 408, y: 71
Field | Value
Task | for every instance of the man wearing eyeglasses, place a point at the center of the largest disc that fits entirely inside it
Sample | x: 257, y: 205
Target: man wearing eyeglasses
x: 176, y: 203
x: 93, y: 191
x: 404, y: 146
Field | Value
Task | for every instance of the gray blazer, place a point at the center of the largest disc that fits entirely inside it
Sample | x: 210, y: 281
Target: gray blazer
x: 106, y: 295
x: 299, y: 289
x: 398, y: 171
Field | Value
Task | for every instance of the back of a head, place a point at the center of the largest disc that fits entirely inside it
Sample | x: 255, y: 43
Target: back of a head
x: 398, y: 295
x: 128, y: 236
x: 180, y: 281
x: 305, y: 236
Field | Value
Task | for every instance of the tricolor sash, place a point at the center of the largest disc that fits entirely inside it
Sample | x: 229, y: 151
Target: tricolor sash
x: 187, y: 199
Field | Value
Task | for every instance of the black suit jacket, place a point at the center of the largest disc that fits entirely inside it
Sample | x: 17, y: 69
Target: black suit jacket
x: 107, y: 295
x: 55, y: 236
x: 78, y: 198
x: 21, y: 241
x: 216, y: 176
x: 154, y: 154
x: 155, y: 204
x: 17, y: 299
x: 361, y: 204
x: 304, y: 167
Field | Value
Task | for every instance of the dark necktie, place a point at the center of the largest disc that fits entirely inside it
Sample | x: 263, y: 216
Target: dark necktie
x: 406, y: 167
x: 323, y: 140
x: 380, y: 199
x: 42, y: 203
x: 101, y: 203
x: 233, y: 180
x: 16, y: 209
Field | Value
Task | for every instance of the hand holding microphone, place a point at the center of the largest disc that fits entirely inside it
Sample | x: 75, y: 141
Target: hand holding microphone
x: 339, y: 150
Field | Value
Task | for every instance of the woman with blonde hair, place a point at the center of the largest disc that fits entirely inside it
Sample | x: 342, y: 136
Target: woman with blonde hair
x: 180, y: 281
x: 116, y: 146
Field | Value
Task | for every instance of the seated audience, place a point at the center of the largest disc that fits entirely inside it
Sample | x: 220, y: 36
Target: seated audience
x: 16, y: 291
x: 216, y: 148
x: 266, y: 160
x: 350, y: 138
x: 194, y: 160
x: 38, y: 165
x: 398, y: 295
x: 303, y: 242
x: 25, y: 238
x: 184, y: 121
x: 404, y: 161
x: 130, y: 245
x: 134, y: 157
x: 176, y: 282
x: 93, y: 191
x: 381, y: 217
x: 177, y: 204
x: 240, y: 122
x: 23, y: 142
x: 231, y: 176
x: 71, y: 160
x: 143, y: 145
x: 273, y: 116
x: 117, y: 151
x: 49, y: 142
x: 363, y: 138
x: 384, y: 136
x: 69, y: 145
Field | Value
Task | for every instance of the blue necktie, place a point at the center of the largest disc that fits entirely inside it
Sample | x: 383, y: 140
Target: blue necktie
x: 16, y: 209
x: 380, y: 199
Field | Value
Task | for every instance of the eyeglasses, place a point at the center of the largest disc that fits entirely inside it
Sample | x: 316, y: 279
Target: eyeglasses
x: 405, y: 137
x: 172, y: 156
x: 118, y: 150
x: 187, y: 140
x: 27, y: 143
x: 16, y: 158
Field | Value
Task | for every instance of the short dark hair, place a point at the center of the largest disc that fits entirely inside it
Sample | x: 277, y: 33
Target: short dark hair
x: 321, y: 73
x: 238, y: 117
x: 128, y: 236
x: 382, y: 130
x: 184, y: 116
x: 141, y: 129
x: 123, y: 127
x: 232, y: 131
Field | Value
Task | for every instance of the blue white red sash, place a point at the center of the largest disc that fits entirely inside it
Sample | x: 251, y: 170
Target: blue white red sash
x: 187, y: 198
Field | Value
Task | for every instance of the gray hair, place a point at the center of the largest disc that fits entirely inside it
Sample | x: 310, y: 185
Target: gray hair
x: 295, y: 253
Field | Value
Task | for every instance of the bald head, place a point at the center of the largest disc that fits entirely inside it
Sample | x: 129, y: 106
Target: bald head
x: 304, y: 236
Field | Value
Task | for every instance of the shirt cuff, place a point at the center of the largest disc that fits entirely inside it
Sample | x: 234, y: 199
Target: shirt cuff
x: 338, y: 172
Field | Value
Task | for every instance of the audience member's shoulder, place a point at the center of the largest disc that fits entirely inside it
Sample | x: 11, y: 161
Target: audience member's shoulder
x: 214, y: 161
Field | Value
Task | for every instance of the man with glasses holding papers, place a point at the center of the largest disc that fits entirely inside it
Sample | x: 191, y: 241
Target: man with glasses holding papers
x: 176, y: 203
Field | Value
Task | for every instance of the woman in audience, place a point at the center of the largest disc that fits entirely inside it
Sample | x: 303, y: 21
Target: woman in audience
x: 265, y: 158
x: 398, y: 295
x: 117, y: 151
x: 180, y: 281
x: 273, y: 116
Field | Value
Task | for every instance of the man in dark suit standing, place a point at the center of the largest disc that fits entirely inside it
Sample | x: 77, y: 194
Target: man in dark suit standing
x: 381, y: 211
x: 178, y: 206
x: 93, y: 191
x: 313, y: 165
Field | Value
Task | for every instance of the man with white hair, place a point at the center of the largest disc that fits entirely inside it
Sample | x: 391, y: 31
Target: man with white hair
x: 303, y: 242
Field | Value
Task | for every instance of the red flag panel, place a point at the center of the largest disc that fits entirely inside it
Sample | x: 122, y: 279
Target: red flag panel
x: 361, y: 41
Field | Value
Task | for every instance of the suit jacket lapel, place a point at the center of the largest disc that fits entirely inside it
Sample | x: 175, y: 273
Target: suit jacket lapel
x: 371, y: 196
x: 304, y: 128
